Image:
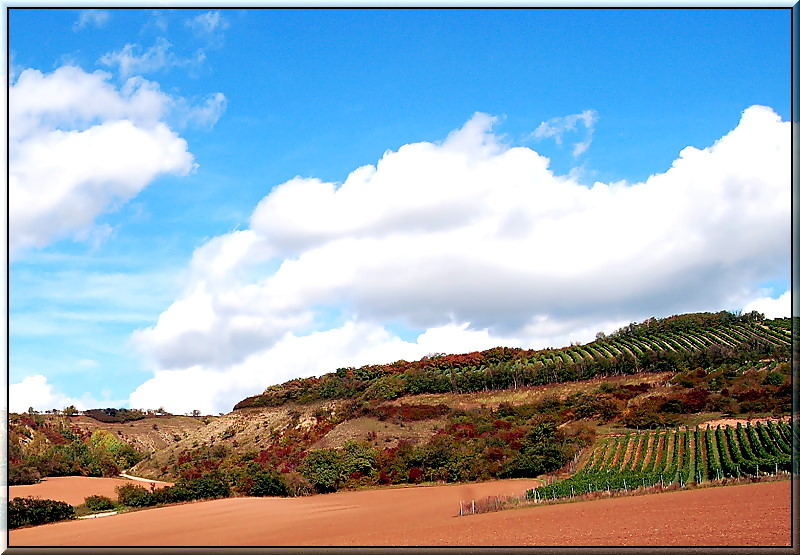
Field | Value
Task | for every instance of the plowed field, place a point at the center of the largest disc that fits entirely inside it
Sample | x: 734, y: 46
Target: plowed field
x: 755, y: 514
x: 74, y: 489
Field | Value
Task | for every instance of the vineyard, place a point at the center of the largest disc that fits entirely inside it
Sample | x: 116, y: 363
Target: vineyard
x: 680, y: 457
x: 656, y: 345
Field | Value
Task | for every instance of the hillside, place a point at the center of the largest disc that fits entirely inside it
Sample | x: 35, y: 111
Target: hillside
x: 486, y: 414
x: 670, y: 344
x: 57, y: 444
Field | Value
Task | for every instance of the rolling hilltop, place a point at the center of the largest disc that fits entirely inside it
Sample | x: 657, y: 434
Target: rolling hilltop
x: 503, y: 412
x: 670, y: 344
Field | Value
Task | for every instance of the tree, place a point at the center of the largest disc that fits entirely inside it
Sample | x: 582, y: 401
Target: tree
x: 268, y: 484
x: 70, y: 410
x: 541, y: 452
x: 323, y: 469
x: 358, y: 457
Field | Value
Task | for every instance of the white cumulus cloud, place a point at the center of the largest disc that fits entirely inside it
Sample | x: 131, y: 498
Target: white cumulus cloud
x: 35, y: 391
x: 80, y: 145
x: 474, y: 243
x: 780, y: 307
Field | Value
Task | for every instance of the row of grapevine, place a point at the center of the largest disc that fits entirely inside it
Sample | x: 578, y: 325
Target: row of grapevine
x: 679, y: 456
x: 729, y: 336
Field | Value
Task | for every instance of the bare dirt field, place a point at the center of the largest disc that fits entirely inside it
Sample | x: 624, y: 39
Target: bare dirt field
x: 74, y: 489
x: 753, y: 514
x: 742, y: 421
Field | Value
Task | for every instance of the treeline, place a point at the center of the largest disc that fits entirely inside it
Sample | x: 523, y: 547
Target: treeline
x: 674, y: 344
x: 109, y: 415
x: 686, y: 323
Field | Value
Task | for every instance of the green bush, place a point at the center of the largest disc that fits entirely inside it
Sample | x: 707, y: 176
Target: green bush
x: 774, y: 378
x: 268, y: 484
x: 323, y: 469
x: 22, y: 475
x: 387, y: 387
x: 135, y: 496
x: 541, y: 452
x: 207, y: 487
x: 98, y: 503
x: 358, y: 458
x: 172, y: 494
x: 27, y: 511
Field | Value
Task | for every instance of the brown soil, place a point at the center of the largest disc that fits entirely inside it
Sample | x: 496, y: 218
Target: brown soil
x: 754, y: 514
x: 380, y: 434
x: 74, y: 489
x: 744, y: 421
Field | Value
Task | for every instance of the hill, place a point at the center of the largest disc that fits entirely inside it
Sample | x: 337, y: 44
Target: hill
x: 56, y: 444
x: 670, y: 344
x: 496, y: 413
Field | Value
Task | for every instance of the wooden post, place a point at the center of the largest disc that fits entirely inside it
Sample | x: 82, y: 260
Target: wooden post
x: 473, y: 506
x: 460, y: 508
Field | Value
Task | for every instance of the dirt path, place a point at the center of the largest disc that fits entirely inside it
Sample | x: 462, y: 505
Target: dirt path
x: 754, y: 514
x: 158, y: 483
x: 74, y: 489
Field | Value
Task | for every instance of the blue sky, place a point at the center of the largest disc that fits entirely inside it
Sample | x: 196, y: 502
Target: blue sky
x: 259, y: 97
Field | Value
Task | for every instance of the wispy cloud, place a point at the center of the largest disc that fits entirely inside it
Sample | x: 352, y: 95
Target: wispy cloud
x: 204, y: 115
x: 208, y: 24
x: 133, y: 59
x: 91, y: 18
x: 158, y: 20
x: 555, y: 128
